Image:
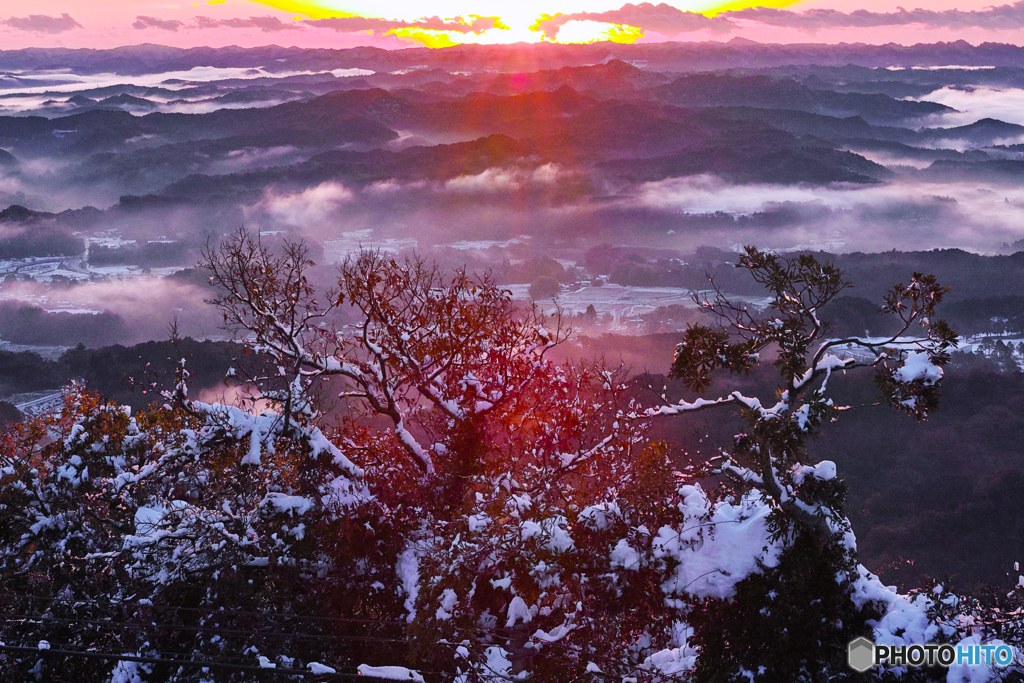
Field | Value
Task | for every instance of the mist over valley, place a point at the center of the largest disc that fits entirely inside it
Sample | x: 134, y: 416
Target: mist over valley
x: 611, y: 189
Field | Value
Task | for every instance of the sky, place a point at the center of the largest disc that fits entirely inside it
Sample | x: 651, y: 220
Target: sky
x: 438, y: 23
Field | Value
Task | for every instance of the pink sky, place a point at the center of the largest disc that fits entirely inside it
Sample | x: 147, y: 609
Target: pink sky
x: 110, y: 23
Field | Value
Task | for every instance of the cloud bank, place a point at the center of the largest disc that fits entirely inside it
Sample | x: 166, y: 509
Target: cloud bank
x: 143, y: 22
x: 359, y: 24
x: 671, y: 22
x: 1002, y: 17
x: 265, y: 24
x: 315, y: 206
x: 661, y: 18
x: 41, y: 23
x: 269, y: 24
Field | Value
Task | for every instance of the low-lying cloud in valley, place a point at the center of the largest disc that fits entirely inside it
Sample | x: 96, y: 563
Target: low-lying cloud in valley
x: 974, y: 103
x: 471, y: 164
x: 143, y: 308
x: 310, y: 209
x: 904, y: 215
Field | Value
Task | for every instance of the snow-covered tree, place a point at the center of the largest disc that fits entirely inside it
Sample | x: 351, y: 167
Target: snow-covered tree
x: 502, y: 472
x: 803, y: 597
x: 469, y: 509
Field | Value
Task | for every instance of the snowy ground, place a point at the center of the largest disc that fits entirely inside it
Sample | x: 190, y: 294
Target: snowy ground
x: 46, y: 91
x: 46, y: 268
x: 353, y: 242
x: 982, y: 345
x: 985, y: 345
x: 978, y: 343
x: 626, y: 304
x: 335, y: 251
x: 37, y: 402
x: 48, y: 352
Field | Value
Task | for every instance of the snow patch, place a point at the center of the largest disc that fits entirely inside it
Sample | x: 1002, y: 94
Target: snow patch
x: 918, y: 366
x: 391, y: 673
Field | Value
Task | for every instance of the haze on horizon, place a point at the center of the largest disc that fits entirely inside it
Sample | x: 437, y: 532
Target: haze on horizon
x: 126, y: 161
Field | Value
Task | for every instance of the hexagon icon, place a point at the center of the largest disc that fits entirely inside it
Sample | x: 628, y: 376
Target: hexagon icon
x: 861, y: 654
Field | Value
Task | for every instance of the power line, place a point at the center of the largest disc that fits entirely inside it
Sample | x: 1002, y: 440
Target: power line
x: 210, y: 610
x: 213, y: 630
x: 177, y: 658
x: 108, y: 638
x: 201, y: 664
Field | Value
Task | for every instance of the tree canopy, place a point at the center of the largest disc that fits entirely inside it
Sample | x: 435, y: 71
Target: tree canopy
x: 470, y: 509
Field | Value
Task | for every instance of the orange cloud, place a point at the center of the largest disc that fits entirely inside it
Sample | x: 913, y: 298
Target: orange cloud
x: 434, y: 24
x: 110, y: 23
x: 663, y: 19
x: 306, y: 9
x: 521, y: 22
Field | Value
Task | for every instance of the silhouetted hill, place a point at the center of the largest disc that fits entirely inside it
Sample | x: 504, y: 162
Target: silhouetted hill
x: 351, y: 116
x: 126, y: 101
x: 764, y: 159
x: 984, y: 132
x: 712, y: 90
x: 999, y: 171
x: 440, y: 162
x: 20, y: 214
x: 668, y: 56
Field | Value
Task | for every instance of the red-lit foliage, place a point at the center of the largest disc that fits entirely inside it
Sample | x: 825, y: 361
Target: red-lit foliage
x: 478, y: 511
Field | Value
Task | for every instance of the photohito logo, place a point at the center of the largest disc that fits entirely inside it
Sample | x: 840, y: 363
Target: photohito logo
x: 864, y: 654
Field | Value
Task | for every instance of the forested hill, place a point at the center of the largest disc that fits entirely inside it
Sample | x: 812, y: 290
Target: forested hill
x: 918, y: 491
x: 133, y: 375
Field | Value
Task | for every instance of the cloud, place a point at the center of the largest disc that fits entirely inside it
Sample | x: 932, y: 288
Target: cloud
x: 269, y: 24
x: 662, y: 18
x: 1004, y: 104
x: 491, y: 180
x: 1002, y: 17
x: 249, y: 158
x: 903, y: 215
x: 316, y: 206
x: 41, y: 23
x: 505, y: 179
x: 359, y: 24
x: 146, y: 304
x: 142, y: 22
x: 670, y: 22
x: 265, y: 24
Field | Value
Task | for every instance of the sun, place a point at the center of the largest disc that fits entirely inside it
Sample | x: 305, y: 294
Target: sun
x: 518, y: 22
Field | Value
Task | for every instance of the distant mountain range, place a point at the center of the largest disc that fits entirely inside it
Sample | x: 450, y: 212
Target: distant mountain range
x: 669, y: 56
x: 589, y: 126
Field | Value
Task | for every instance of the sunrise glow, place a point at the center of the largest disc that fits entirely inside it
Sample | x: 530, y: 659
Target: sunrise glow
x: 519, y: 22
x: 389, y: 24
